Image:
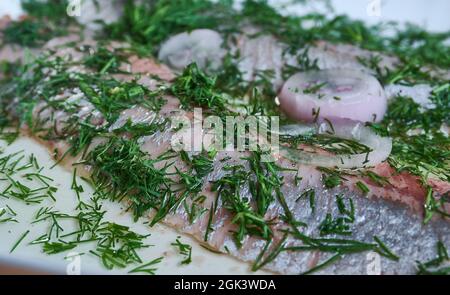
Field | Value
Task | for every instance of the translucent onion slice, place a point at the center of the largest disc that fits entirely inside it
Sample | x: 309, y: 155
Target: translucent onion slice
x: 380, y: 147
x: 334, y: 93
x: 91, y: 12
x: 202, y: 46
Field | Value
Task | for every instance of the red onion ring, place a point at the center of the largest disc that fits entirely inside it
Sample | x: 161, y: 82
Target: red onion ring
x: 334, y: 93
x: 202, y: 46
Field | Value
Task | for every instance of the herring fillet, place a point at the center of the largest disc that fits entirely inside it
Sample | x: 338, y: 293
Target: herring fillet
x: 390, y: 213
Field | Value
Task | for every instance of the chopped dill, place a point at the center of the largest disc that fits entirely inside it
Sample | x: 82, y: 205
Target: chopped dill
x: 131, y: 173
x: 21, y: 238
x: 435, y: 266
x: 311, y: 195
x: 184, y: 249
x: 7, y: 215
x: 314, y: 88
x: 45, y: 20
x: 28, y: 33
x: 248, y: 221
x: 324, y: 264
x: 147, y: 268
x: 362, y: 187
x: 339, y: 225
x: 104, y: 61
x: 331, y: 177
x: 51, y: 248
x: 195, y: 88
x: 50, y: 9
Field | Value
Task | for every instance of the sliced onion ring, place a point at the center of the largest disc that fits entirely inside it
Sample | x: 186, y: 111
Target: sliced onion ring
x: 346, y: 129
x: 339, y: 93
x: 202, y: 46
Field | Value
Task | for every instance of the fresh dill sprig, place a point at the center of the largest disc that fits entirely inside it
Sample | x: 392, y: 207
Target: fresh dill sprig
x: 266, y: 180
x: 147, y: 268
x: 45, y: 20
x: 117, y: 245
x: 313, y: 89
x: 201, y: 163
x: 8, y: 136
x: 194, y: 88
x: 419, y: 145
x: 324, y: 264
x: 362, y: 187
x: 435, y: 206
x: 435, y: 266
x: 21, y: 238
x: 311, y: 195
x: 50, y: 9
x: 184, y: 249
x: 51, y: 248
x: 27, y: 33
x: 32, y: 186
x: 132, y: 173
x: 248, y: 220
x: 265, y: 257
x: 339, y: 225
x: 375, y: 178
x: 331, y: 177
x: 9, y: 215
x: 425, y: 152
x: 104, y: 60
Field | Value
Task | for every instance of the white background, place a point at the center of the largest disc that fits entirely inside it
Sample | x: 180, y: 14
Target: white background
x: 431, y: 14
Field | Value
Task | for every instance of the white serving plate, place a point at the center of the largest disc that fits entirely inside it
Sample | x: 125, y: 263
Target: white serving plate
x: 430, y: 14
x: 31, y: 256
